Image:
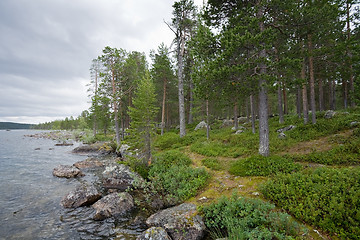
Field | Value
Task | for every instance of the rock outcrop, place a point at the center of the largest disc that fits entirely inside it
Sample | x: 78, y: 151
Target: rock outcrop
x: 180, y: 222
x: 81, y: 196
x: 119, y: 176
x: 201, y: 125
x: 114, y: 204
x: 67, y: 171
x: 89, y: 163
x: 154, y: 233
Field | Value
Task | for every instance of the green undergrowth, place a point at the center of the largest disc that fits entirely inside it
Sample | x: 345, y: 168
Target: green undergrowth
x: 243, y: 218
x: 171, y: 177
x: 325, y: 197
x: 212, y: 163
x: 263, y: 166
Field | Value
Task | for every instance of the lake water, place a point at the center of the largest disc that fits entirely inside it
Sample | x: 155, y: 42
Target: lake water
x: 30, y: 195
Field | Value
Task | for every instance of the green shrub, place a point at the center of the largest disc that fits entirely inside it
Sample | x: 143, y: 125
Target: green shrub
x: 167, y: 141
x: 263, y: 166
x: 170, y: 158
x: 243, y: 218
x: 324, y: 197
x: 137, y: 165
x: 212, y: 163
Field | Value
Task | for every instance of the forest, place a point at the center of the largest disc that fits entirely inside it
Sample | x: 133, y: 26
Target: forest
x: 276, y: 87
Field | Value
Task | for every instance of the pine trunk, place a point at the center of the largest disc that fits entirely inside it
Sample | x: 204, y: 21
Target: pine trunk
x: 280, y: 104
x: 236, y: 123
x: 312, y: 81
x: 298, y: 101
x: 207, y: 121
x: 351, y: 82
x: 181, y: 50
x: 285, y: 99
x: 304, y: 94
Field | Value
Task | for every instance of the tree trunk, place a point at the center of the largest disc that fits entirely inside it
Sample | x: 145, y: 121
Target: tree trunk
x: 207, y: 120
x: 252, y: 110
x: 304, y: 94
x: 191, y: 101
x: 116, y: 120
x: 312, y: 81
x: 163, y: 109
x: 298, y: 101
x: 181, y: 50
x: 321, y: 95
x: 285, y: 99
x: 236, y: 123
x: 280, y: 104
x: 351, y: 82
x: 264, y: 147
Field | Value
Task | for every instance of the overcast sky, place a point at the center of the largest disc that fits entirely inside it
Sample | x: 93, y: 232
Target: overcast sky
x: 46, y: 48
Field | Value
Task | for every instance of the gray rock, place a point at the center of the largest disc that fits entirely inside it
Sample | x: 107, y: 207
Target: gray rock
x: 66, y: 171
x: 353, y: 124
x: 96, y: 148
x: 154, y: 233
x: 282, y: 135
x: 227, y: 123
x: 81, y: 196
x: 180, y: 222
x: 201, y: 124
x: 329, y: 114
x: 239, y: 132
x: 89, y: 163
x: 114, y: 204
x: 119, y: 176
x: 288, y: 128
x: 239, y: 128
x: 242, y: 119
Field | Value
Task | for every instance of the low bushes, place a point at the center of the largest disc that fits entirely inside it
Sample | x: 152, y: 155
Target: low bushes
x: 324, y: 197
x: 263, y: 166
x: 212, y: 163
x: 242, y: 218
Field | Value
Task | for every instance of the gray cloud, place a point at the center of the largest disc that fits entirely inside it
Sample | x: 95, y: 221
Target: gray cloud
x: 46, y: 48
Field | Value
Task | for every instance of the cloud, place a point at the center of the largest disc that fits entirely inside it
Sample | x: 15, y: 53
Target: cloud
x: 46, y: 48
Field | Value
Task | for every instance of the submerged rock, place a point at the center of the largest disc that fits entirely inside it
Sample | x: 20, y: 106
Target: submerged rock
x: 180, y: 222
x: 154, y: 233
x: 114, y: 204
x: 67, y: 171
x: 81, y: 196
x: 119, y: 176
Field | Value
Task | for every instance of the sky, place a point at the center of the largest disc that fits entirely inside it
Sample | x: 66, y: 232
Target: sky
x: 46, y: 48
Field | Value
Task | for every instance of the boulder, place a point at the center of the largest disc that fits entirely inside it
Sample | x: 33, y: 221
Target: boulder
x: 201, y: 124
x: 227, y: 123
x: 89, y: 163
x: 180, y: 222
x: 81, y: 196
x: 329, y: 114
x: 288, y: 128
x: 114, y: 204
x: 67, y: 171
x: 239, y: 132
x: 242, y: 119
x: 282, y: 135
x: 154, y: 233
x: 119, y: 176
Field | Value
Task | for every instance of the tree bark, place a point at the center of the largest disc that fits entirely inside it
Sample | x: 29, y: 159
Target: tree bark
x: 236, y: 123
x: 321, y: 95
x: 312, y: 81
x: 351, y: 82
x: 280, y: 104
x: 181, y: 50
x: 304, y: 94
x: 163, y: 108
x: 264, y: 147
x: 298, y: 101
x: 285, y: 99
x: 252, y: 110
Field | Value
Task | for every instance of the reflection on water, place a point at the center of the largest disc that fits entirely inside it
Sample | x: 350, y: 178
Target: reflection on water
x: 30, y: 196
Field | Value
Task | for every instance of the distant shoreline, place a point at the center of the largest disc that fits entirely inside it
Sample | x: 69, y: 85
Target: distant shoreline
x: 14, y: 126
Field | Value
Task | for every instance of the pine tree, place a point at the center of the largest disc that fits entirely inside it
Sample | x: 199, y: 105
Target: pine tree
x: 142, y: 115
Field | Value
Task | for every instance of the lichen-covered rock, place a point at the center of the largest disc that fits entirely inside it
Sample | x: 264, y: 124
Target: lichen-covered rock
x: 114, y: 204
x: 329, y: 114
x: 66, y: 171
x: 180, y: 222
x: 119, y: 176
x: 285, y: 129
x: 282, y: 135
x: 154, y: 233
x: 96, y: 148
x: 81, y: 196
x: 200, y: 125
x: 89, y: 163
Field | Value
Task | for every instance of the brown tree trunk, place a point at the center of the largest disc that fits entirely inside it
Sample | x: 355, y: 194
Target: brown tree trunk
x: 285, y: 99
x: 304, y: 94
x: 298, y: 101
x: 236, y: 123
x: 312, y: 81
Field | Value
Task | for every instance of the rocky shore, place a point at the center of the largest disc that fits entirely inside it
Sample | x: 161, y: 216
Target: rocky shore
x: 113, y: 197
